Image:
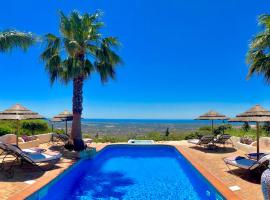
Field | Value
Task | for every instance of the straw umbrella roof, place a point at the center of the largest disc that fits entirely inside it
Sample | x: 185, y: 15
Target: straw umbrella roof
x: 63, y: 116
x: 255, y: 114
x: 212, y: 115
x: 19, y: 112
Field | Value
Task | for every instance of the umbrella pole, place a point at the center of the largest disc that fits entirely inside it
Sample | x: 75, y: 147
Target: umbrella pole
x: 212, y: 126
x: 258, y: 145
x: 52, y: 126
x: 66, y: 128
x: 223, y: 131
x: 17, y: 135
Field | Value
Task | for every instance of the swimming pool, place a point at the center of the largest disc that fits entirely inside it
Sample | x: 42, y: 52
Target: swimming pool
x: 131, y: 172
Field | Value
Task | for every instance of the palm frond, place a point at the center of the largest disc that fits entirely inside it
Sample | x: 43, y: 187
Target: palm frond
x: 71, y: 46
x: 51, y: 56
x: 261, y: 41
x: 53, y: 45
x: 11, y: 39
x: 258, y: 56
x: 264, y: 20
x: 105, y: 71
x: 86, y: 50
x: 65, y: 26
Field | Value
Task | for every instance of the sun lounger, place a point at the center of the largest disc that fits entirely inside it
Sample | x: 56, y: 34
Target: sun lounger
x: 60, y: 137
x: 223, y: 139
x: 205, y: 140
x: 26, y: 155
x: 254, y: 155
x: 248, y: 164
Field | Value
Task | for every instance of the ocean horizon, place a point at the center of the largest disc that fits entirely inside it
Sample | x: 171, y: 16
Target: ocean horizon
x: 140, y: 126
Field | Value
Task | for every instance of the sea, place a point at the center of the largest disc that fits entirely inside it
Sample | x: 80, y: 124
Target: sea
x: 139, y: 126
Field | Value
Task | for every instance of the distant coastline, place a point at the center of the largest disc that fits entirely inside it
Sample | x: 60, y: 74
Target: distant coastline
x: 138, y: 126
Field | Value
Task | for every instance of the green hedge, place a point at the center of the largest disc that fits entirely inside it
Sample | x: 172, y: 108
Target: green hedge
x: 4, y: 129
x: 34, y: 126
x: 26, y: 127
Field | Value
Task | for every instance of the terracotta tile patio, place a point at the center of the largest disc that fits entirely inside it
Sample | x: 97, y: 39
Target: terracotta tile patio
x: 213, y: 162
x: 210, y: 160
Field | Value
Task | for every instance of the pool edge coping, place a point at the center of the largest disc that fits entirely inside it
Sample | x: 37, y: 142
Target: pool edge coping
x: 220, y: 187
x: 39, y: 184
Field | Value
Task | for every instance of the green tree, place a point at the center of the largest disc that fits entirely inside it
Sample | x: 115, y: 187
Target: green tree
x: 258, y: 56
x: 80, y: 51
x: 10, y: 39
x: 167, y: 133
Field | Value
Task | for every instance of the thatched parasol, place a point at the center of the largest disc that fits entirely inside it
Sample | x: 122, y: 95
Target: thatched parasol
x: 255, y: 114
x: 63, y: 116
x: 19, y: 112
x: 212, y: 115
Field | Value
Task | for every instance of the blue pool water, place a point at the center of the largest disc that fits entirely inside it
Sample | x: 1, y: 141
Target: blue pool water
x: 131, y: 172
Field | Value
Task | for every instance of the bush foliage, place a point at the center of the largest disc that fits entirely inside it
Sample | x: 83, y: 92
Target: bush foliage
x: 34, y: 126
x: 26, y: 127
x: 4, y: 129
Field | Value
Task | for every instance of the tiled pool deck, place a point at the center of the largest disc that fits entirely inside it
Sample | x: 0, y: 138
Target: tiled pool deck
x: 211, y: 161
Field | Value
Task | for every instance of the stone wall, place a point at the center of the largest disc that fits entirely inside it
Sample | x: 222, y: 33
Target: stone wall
x: 264, y: 145
x: 41, y: 139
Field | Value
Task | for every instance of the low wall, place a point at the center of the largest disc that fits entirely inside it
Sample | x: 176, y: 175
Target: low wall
x: 264, y: 145
x: 41, y: 139
x: 30, y: 144
x: 44, y: 138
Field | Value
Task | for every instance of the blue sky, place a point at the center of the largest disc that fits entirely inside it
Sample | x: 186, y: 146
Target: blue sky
x: 181, y: 58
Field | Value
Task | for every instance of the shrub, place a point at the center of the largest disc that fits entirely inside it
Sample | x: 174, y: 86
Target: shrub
x: 191, y: 136
x: 266, y: 128
x: 246, y: 140
x: 154, y: 136
x: 4, y: 129
x: 205, y: 129
x: 34, y: 126
x: 112, y: 139
x: 196, y: 135
x: 222, y: 128
x: 85, y: 135
x: 59, y: 131
x: 246, y: 127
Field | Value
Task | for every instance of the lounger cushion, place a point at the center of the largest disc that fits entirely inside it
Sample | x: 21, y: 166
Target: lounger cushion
x: 254, y: 155
x: 43, y: 157
x: 222, y: 138
x: 194, y: 141
x: 241, y: 162
x: 33, y: 156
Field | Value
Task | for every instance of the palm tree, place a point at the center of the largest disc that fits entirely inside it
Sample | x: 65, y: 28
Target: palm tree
x: 75, y: 55
x: 10, y: 39
x: 258, y: 56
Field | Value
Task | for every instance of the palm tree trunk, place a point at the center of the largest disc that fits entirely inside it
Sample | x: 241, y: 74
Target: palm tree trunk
x: 77, y: 100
